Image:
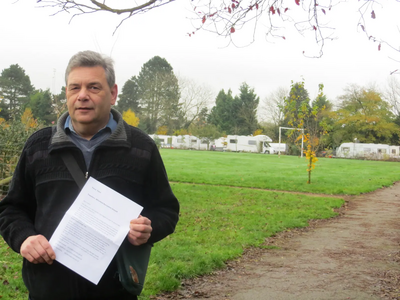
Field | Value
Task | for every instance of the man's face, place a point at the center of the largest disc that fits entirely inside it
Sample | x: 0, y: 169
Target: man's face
x: 89, y: 98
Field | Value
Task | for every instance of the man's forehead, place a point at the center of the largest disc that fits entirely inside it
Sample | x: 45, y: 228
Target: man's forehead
x: 95, y: 73
x: 99, y: 70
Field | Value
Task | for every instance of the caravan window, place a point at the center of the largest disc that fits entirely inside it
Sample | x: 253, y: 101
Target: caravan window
x: 232, y: 141
x: 252, y: 142
x: 346, y: 149
x: 194, y: 141
x: 367, y: 150
x: 383, y: 151
x: 393, y: 151
x: 179, y: 140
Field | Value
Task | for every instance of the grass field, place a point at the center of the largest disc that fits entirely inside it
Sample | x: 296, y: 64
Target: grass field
x: 285, y: 173
x: 221, y: 215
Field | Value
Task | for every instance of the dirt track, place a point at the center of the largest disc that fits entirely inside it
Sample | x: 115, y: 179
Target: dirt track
x: 353, y: 256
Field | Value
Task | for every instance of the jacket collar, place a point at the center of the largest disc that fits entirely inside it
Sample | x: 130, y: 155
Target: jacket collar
x: 60, y: 138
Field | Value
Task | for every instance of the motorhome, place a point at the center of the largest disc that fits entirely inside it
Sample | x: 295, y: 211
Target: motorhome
x: 237, y: 143
x: 245, y: 143
x: 358, y: 150
x: 219, y: 144
x: 188, y: 142
x: 274, y: 148
x: 394, y: 151
x: 165, y: 140
x: 184, y: 142
x: 180, y: 141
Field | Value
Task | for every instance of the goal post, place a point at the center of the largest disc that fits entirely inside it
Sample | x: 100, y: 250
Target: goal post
x: 280, y: 134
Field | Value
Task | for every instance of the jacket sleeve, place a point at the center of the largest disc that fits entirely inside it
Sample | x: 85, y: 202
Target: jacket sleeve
x: 163, y: 207
x: 17, y: 209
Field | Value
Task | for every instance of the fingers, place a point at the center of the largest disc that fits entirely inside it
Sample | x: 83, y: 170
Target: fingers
x: 139, y: 231
x: 37, y: 249
x: 141, y: 220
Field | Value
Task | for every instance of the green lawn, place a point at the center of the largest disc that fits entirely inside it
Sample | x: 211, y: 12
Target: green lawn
x: 11, y: 285
x: 221, y: 215
x: 285, y: 173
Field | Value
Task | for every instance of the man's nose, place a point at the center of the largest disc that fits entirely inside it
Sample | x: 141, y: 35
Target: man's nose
x: 83, y: 94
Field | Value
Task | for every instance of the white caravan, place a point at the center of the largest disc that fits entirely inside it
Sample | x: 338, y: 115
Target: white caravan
x: 274, y: 148
x: 180, y: 141
x: 358, y: 150
x: 202, y: 145
x: 165, y: 140
x: 245, y: 143
x: 187, y: 142
x: 394, y: 151
x: 219, y: 144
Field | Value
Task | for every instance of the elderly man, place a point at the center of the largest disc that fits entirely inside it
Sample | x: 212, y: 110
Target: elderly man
x: 106, y: 148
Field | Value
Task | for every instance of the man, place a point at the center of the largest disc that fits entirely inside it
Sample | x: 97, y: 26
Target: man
x: 106, y: 148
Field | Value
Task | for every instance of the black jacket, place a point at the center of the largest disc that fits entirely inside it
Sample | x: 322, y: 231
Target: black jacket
x: 42, y: 190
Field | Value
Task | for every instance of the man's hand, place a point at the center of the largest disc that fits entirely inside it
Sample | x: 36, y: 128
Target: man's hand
x: 139, y: 231
x: 38, y: 250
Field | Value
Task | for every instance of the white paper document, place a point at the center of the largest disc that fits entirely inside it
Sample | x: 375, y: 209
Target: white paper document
x: 92, y: 229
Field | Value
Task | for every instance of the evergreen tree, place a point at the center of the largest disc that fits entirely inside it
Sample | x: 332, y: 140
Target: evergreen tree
x: 41, y: 105
x: 15, y: 88
x: 246, y: 104
x: 159, y: 94
x: 298, y: 97
x: 223, y: 114
x: 235, y: 115
x: 129, y: 99
x: 59, y: 103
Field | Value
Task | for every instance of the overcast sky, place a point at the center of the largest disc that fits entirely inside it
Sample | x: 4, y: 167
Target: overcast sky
x: 42, y: 45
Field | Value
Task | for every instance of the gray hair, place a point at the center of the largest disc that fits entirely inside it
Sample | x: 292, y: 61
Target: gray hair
x: 92, y: 59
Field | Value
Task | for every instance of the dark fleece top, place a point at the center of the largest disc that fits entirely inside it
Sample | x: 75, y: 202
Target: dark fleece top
x: 42, y: 190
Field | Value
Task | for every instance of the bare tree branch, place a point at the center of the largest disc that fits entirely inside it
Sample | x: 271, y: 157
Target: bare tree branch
x: 226, y: 17
x: 273, y: 106
x: 78, y: 8
x: 194, y: 98
x: 392, y: 94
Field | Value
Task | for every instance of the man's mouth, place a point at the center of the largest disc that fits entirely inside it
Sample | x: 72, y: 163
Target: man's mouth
x: 84, y: 108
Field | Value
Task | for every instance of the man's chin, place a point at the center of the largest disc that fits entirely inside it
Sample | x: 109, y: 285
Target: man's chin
x: 83, y: 120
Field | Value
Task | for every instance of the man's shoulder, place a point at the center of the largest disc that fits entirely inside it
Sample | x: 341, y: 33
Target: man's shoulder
x: 138, y: 135
x: 39, y: 136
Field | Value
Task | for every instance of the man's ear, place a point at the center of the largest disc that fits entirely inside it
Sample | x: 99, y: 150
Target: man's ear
x: 114, y: 94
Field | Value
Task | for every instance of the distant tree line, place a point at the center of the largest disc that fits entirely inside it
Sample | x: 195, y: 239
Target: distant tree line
x: 17, y: 93
x: 166, y: 104
x: 360, y: 114
x: 157, y: 101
